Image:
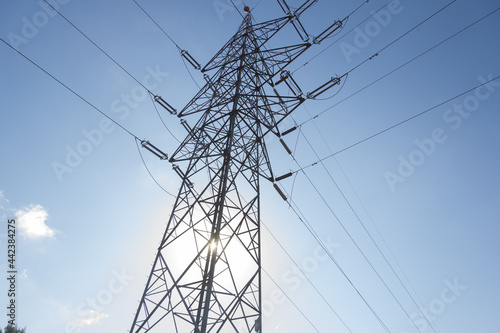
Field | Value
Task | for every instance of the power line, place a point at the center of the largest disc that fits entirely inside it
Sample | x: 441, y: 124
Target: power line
x: 307, y: 278
x: 100, y: 49
x: 293, y: 205
x: 68, y: 88
x: 255, y: 6
x: 321, y: 160
x: 333, y: 154
x: 385, y: 47
x: 403, y: 35
x: 322, y: 197
x: 396, y: 40
x: 358, y: 8
x: 189, y: 72
x: 164, y: 32
x: 116, y: 63
x: 353, y: 240
x: 309, y: 227
x: 302, y: 218
x: 237, y: 9
x: 362, y: 224
x: 385, y: 243
x: 288, y: 297
x: 333, y: 43
x: 401, y: 66
x: 149, y: 172
x: 183, y: 53
x: 161, y: 119
x: 395, y: 125
x: 300, y: 269
x: 373, y: 223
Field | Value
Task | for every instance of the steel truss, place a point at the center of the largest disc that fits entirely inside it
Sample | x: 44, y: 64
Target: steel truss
x: 206, y: 276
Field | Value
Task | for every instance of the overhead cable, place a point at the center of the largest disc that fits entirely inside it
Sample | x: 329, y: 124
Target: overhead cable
x: 100, y: 49
x: 68, y: 88
x: 395, y: 125
x: 366, y: 230
x: 400, y: 37
x: 293, y: 205
x: 401, y: 66
x: 149, y: 172
x: 307, y: 278
x: 333, y: 43
x: 353, y: 240
x: 145, y: 12
x: 288, y: 297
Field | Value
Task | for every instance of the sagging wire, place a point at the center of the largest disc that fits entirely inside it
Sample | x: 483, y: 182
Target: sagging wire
x: 301, y: 270
x: 403, y: 35
x: 258, y: 3
x: 336, y: 93
x: 326, y: 48
x: 159, y: 27
x: 288, y: 297
x: 365, y: 229
x: 147, y: 169
x: 116, y: 63
x: 401, y: 66
x: 161, y: 119
x: 183, y: 53
x: 394, y: 126
x: 97, y: 46
x: 68, y: 88
x: 351, y: 237
x: 293, y: 205
x: 237, y: 9
x: 189, y: 72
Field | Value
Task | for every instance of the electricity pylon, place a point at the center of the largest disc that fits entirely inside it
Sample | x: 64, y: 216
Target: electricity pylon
x: 206, y: 276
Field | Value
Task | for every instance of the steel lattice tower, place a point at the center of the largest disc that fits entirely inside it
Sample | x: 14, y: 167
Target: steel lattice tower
x: 206, y: 276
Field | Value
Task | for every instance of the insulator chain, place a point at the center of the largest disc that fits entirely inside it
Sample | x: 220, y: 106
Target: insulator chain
x: 154, y: 150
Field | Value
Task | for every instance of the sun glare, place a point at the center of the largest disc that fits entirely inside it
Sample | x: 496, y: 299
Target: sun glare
x: 213, y: 245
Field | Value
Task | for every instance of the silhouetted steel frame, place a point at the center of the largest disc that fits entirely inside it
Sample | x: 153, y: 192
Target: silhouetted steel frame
x: 208, y: 150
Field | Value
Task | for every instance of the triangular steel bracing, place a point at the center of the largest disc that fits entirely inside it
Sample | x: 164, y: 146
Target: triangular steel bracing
x: 206, y: 276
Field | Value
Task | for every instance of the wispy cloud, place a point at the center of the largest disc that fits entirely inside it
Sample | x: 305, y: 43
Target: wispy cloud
x: 81, y: 317
x: 3, y: 201
x: 24, y: 274
x: 31, y: 221
x: 76, y: 316
x: 90, y: 318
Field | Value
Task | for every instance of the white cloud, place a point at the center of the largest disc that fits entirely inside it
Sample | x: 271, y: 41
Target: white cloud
x: 3, y: 201
x: 81, y: 318
x: 90, y: 318
x: 31, y: 221
x: 62, y: 314
x: 24, y: 274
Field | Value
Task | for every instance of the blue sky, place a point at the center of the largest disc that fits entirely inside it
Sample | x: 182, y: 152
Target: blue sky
x: 87, y: 236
